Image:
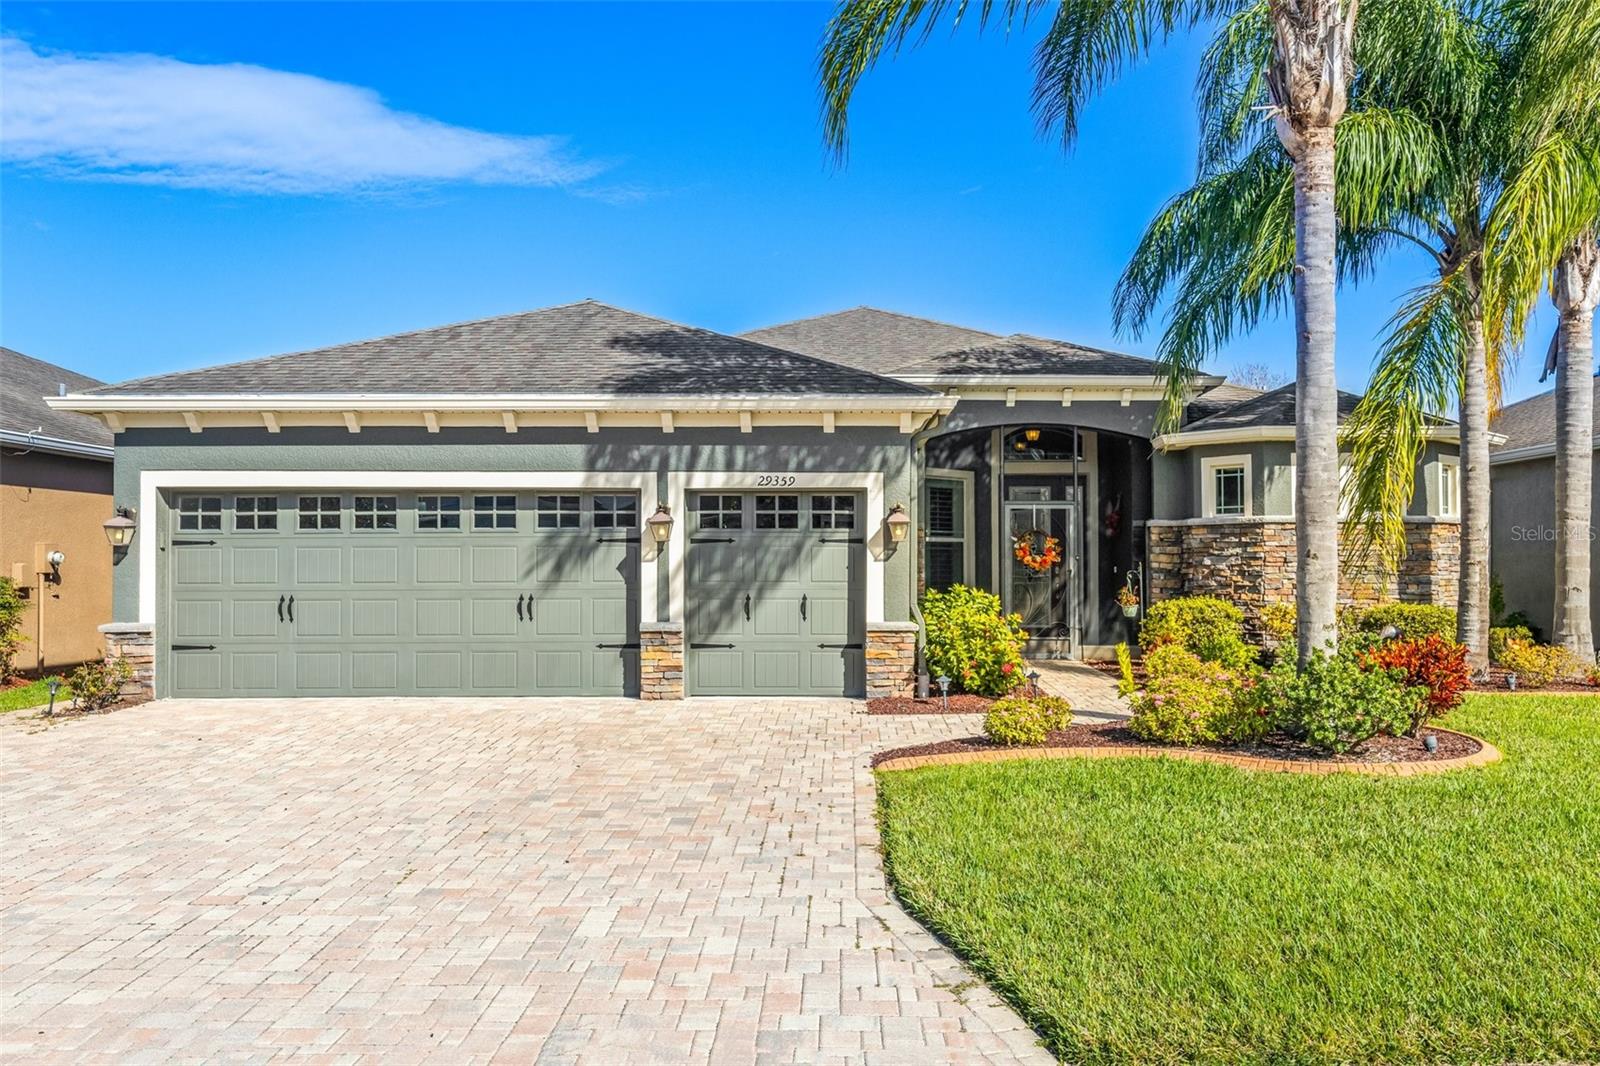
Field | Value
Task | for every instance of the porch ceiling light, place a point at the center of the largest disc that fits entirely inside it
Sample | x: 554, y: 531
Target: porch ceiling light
x: 898, y: 523
x: 660, y: 524
x: 120, y: 528
x: 1032, y: 434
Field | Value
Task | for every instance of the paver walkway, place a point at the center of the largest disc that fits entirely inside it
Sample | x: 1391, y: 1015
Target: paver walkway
x: 459, y: 881
x: 1093, y: 694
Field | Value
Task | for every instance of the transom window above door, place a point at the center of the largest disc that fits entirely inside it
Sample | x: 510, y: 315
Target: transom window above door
x: 558, y: 512
x: 438, y: 512
x: 319, y: 512
x: 719, y: 512
x: 377, y: 512
x: 778, y: 512
x: 255, y: 513
x: 833, y: 512
x: 199, y: 512
x: 494, y: 512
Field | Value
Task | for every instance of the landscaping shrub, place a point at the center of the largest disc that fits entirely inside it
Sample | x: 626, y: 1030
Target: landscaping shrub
x: 1125, y: 684
x: 1278, y: 621
x: 1520, y: 620
x: 971, y: 641
x: 1500, y: 636
x: 1537, y: 665
x: 1334, y: 703
x: 97, y: 684
x: 1188, y: 700
x: 1211, y: 628
x: 1019, y: 720
x: 11, y: 604
x: 1413, y: 620
x: 1433, y: 663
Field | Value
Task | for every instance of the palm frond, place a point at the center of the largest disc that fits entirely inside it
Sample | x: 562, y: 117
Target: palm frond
x: 1232, y: 88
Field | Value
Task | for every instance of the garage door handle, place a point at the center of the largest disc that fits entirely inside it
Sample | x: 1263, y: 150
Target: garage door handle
x: 694, y: 644
x: 194, y: 647
x: 183, y: 543
x: 291, y: 608
x: 802, y: 607
x: 519, y: 608
x: 841, y: 540
x: 851, y: 647
x: 711, y: 540
x: 747, y: 607
x: 280, y: 608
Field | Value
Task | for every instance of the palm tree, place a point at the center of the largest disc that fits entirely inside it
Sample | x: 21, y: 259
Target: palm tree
x: 1576, y: 291
x: 1305, y: 80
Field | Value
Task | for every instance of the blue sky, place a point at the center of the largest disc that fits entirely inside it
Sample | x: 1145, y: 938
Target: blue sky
x: 435, y: 163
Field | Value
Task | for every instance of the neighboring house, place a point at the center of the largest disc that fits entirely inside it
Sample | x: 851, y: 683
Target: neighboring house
x: 586, y: 500
x: 55, y: 491
x: 1522, y: 535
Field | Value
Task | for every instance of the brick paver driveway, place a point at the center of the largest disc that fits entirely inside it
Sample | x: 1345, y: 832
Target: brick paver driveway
x: 458, y: 881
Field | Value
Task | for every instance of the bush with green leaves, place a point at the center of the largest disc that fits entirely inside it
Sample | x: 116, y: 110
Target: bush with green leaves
x: 1125, y: 682
x: 1500, y: 636
x: 11, y: 606
x: 98, y: 683
x: 971, y: 641
x: 1024, y: 720
x: 1333, y: 703
x: 1212, y: 629
x: 1415, y: 621
x: 1278, y: 621
x: 1188, y: 700
x: 1537, y: 665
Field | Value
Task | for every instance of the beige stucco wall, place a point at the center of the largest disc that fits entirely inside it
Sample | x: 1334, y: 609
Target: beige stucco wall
x: 49, y: 501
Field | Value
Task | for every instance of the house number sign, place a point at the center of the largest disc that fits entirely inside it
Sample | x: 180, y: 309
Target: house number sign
x: 775, y: 481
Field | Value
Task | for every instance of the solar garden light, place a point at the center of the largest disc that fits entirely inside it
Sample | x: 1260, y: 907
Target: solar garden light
x: 660, y: 524
x: 944, y: 690
x: 1033, y: 681
x: 55, y: 684
x: 1431, y: 742
x: 1511, y: 682
x: 1389, y: 632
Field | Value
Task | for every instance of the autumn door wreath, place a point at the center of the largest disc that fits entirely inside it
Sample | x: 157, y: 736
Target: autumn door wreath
x: 1039, y: 562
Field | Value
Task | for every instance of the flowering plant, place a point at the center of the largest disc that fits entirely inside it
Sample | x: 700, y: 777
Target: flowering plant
x: 1126, y: 597
x: 1039, y: 562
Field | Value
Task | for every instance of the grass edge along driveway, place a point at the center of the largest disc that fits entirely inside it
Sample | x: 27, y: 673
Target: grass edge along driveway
x: 1138, y: 910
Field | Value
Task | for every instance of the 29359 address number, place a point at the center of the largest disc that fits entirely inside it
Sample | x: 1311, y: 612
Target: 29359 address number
x: 775, y: 481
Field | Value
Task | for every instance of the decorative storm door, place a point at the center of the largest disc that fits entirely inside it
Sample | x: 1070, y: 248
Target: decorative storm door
x: 1042, y: 596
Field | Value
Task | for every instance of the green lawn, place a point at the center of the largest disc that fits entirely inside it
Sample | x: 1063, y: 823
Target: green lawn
x: 1161, y: 911
x: 31, y: 695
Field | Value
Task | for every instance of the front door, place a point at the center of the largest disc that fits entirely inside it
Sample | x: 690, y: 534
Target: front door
x: 1044, y: 598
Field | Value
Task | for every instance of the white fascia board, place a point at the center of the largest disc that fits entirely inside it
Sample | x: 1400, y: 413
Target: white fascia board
x: 496, y: 402
x: 1253, y: 434
x: 1523, y: 454
x: 1053, y: 382
x: 38, y: 442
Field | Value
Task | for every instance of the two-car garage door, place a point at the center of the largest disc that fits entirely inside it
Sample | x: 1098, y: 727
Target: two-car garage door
x: 330, y: 593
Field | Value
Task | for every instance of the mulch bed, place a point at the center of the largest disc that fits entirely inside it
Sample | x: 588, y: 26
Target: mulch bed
x: 1116, y: 734
x: 961, y: 703
x: 1497, y: 683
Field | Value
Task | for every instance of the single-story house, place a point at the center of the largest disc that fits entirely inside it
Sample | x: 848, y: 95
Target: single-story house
x: 1522, y: 476
x: 583, y: 499
x: 55, y: 492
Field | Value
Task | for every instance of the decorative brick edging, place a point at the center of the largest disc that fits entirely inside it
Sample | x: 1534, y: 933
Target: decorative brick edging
x: 1485, y: 755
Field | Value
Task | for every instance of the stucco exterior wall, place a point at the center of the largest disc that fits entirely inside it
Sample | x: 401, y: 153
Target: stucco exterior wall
x: 57, y: 502
x: 796, y: 450
x: 1522, y: 546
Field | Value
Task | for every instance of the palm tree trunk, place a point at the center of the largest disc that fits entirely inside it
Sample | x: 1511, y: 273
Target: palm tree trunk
x: 1316, y: 395
x: 1576, y: 289
x: 1472, y: 599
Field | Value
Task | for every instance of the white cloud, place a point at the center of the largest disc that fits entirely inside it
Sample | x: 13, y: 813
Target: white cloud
x: 242, y: 128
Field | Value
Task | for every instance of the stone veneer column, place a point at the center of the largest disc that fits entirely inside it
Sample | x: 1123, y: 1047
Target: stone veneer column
x: 661, y: 661
x: 891, y: 659
x: 135, y: 642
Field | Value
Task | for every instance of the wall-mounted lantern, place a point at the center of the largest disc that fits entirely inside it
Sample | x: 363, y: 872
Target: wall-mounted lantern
x: 898, y: 523
x: 660, y: 525
x: 120, y: 527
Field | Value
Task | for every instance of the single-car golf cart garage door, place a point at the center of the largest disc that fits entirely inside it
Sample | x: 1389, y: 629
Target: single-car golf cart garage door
x: 775, y: 595
x: 328, y: 593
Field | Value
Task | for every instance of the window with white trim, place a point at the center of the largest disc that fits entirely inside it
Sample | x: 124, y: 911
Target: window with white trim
x: 833, y: 512
x: 714, y: 511
x: 558, y: 512
x: 615, y: 512
x: 375, y: 513
x: 944, y: 521
x: 255, y: 513
x: 1225, y: 486
x: 438, y: 512
x: 319, y: 513
x: 778, y: 512
x: 199, y: 513
x: 1449, y: 489
x: 494, y: 512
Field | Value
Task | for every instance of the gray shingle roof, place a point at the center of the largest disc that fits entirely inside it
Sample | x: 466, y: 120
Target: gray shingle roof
x: 25, y: 381
x: 1022, y: 356
x: 580, y: 348
x: 1219, y: 399
x: 1531, y: 423
x: 1275, y: 408
x: 869, y: 339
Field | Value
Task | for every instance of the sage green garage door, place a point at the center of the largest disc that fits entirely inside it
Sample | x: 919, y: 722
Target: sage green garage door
x: 329, y: 593
x: 775, y: 595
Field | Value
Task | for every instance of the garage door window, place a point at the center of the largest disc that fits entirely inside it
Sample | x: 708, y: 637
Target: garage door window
x: 377, y: 513
x: 494, y: 512
x: 721, y: 512
x: 833, y: 512
x: 319, y: 512
x: 438, y: 512
x: 255, y: 513
x: 777, y: 512
x: 199, y: 512
x: 558, y: 512
x: 616, y: 512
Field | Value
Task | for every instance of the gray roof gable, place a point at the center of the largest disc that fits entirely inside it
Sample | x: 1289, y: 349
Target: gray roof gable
x: 1275, y: 408
x: 1531, y: 423
x: 585, y: 348
x: 1020, y: 355
x: 868, y: 338
x: 25, y: 381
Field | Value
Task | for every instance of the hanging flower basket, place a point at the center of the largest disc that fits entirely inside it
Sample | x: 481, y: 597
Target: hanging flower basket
x: 1130, y: 610
x: 1039, y: 562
